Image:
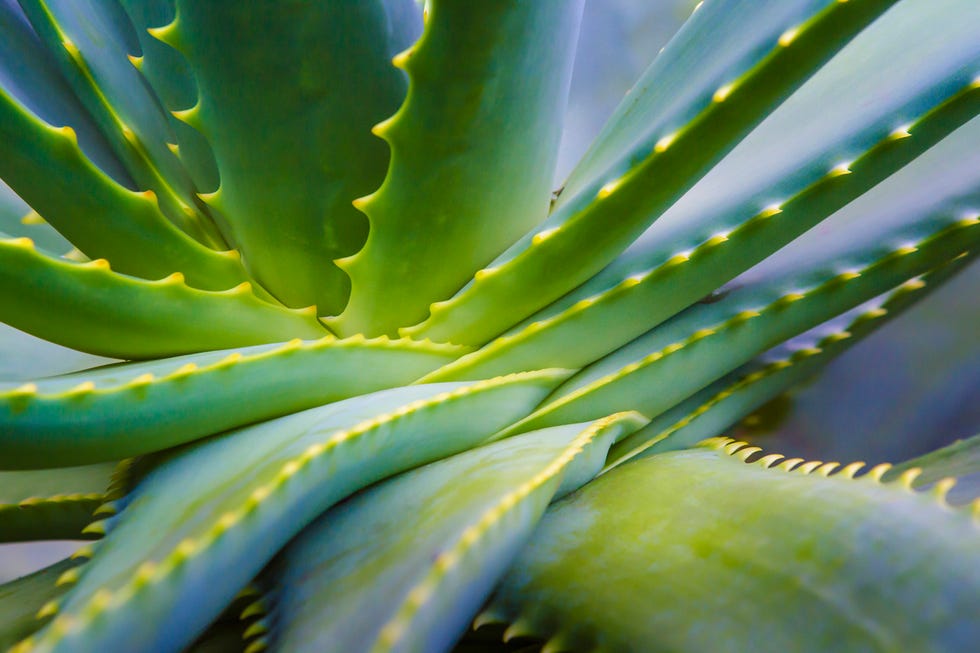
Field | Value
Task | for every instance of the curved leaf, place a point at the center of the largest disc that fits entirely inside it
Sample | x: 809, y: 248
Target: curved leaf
x: 50, y: 504
x: 171, y: 567
x: 286, y: 186
x: 23, y: 598
x: 405, y: 565
x: 473, y: 154
x: 737, y: 557
x: 138, y: 408
x: 591, y: 229
x: 89, y: 307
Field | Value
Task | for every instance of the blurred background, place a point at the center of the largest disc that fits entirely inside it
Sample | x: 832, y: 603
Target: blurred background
x: 909, y: 388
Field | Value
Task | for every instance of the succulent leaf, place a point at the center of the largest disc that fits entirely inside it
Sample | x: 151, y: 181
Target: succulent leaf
x: 29, y: 73
x: 138, y: 408
x: 89, y: 41
x: 732, y: 556
x: 111, y: 314
x: 286, y: 186
x: 405, y: 565
x: 266, y: 482
x: 736, y: 395
x: 473, y: 154
x: 591, y: 229
x: 22, y: 599
x: 50, y: 504
x: 46, y: 167
x: 742, y: 211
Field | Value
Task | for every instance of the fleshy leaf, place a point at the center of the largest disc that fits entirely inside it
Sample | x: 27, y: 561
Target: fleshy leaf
x: 45, y: 166
x: 22, y: 599
x: 919, y: 63
x: 138, y: 408
x: 591, y: 229
x: 286, y: 186
x: 405, y: 565
x: 473, y: 155
x: 89, y: 41
x: 87, y: 306
x: 960, y: 459
x: 730, y: 556
x: 50, y: 504
x: 170, y: 564
x: 708, y: 412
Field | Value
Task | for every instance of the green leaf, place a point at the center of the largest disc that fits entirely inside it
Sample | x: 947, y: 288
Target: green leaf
x: 709, y: 411
x: 49, y: 504
x: 19, y: 220
x: 473, y: 154
x: 781, y: 298
x: 89, y: 41
x: 264, y: 483
x: 591, y: 229
x: 286, y: 186
x: 960, y: 459
x: 406, y: 564
x: 88, y: 307
x: 45, y: 166
x: 782, y: 180
x: 138, y: 408
x: 731, y: 556
x: 168, y: 73
x: 21, y: 599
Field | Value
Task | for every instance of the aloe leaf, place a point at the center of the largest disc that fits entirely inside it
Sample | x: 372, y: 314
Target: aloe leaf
x: 822, y: 275
x: 961, y: 459
x: 19, y: 220
x: 405, y: 565
x: 168, y: 73
x: 89, y: 41
x: 45, y: 167
x: 732, y: 556
x: 50, y: 504
x: 87, y: 306
x: 609, y: 214
x: 473, y: 154
x: 729, y: 399
x: 266, y: 482
x: 125, y: 410
x: 23, y: 598
x: 743, y: 211
x: 28, y: 71
x: 286, y: 187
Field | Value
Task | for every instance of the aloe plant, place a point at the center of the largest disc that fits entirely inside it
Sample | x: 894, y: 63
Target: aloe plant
x: 375, y: 386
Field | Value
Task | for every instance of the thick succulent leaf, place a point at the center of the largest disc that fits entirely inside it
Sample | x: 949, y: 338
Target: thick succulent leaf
x: 742, y: 211
x: 87, y: 306
x: 729, y: 399
x: 45, y: 166
x: 19, y: 220
x: 168, y: 73
x: 889, y: 235
x: 29, y: 73
x: 286, y: 186
x: 591, y: 229
x: 960, y: 459
x: 50, y: 504
x: 730, y: 556
x: 89, y: 41
x: 136, y: 408
x: 405, y: 565
x: 473, y: 154
x: 23, y: 598
x: 24, y: 357
x: 171, y: 567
